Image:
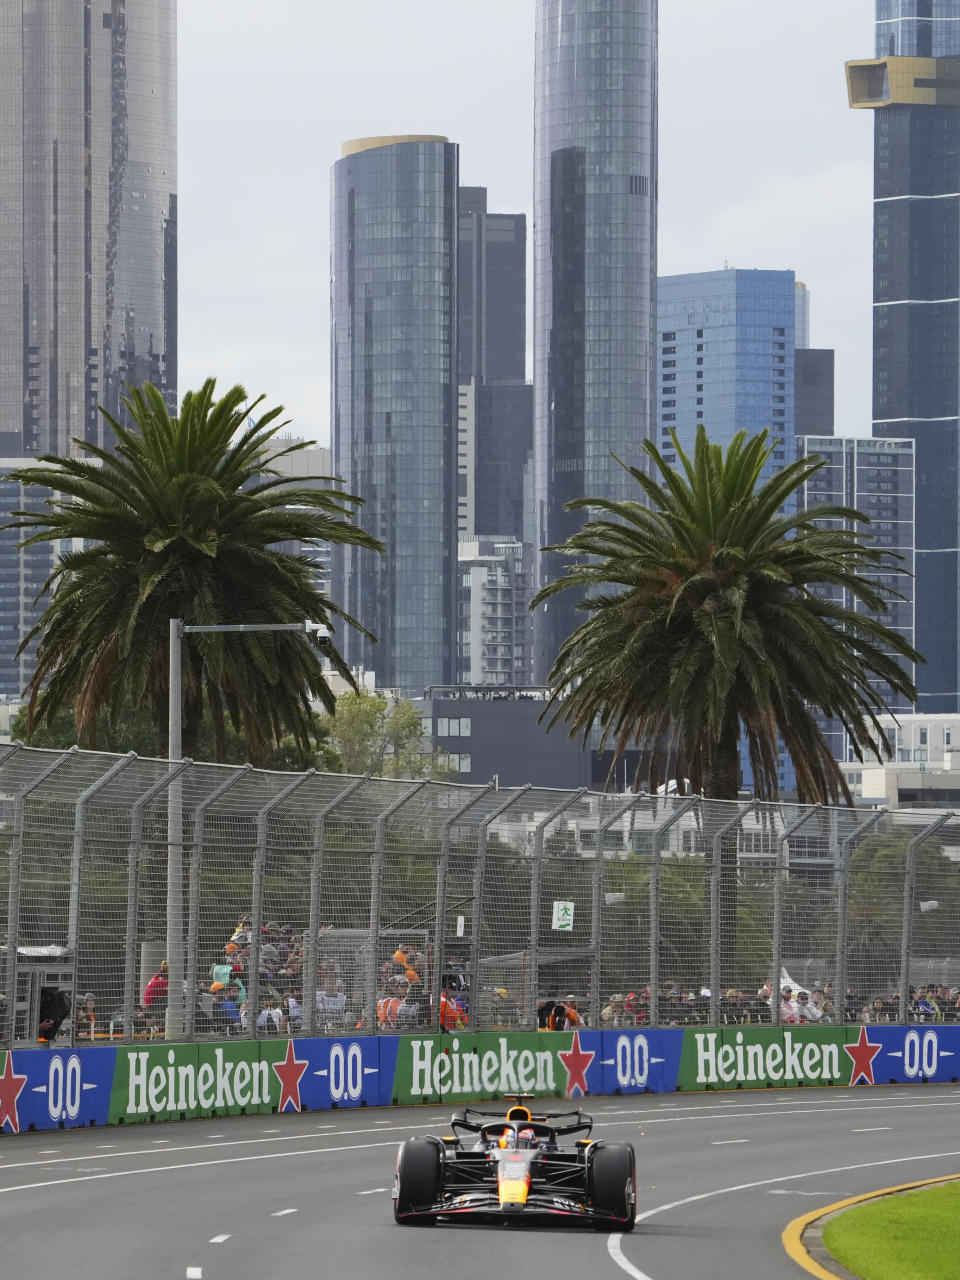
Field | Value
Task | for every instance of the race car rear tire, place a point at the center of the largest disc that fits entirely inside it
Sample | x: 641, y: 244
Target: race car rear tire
x: 613, y: 1186
x: 418, y: 1180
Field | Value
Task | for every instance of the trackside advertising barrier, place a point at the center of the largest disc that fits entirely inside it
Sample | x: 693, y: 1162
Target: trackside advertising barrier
x: 129, y: 1084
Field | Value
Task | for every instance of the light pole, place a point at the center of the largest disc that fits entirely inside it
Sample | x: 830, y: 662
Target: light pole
x: 175, y: 993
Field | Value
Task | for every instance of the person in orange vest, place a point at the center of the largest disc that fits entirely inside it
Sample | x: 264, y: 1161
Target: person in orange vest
x: 453, y: 1016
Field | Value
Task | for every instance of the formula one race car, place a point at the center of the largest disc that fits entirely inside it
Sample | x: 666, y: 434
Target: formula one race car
x: 514, y: 1168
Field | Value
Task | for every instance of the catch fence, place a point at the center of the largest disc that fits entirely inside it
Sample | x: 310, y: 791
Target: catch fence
x: 375, y: 904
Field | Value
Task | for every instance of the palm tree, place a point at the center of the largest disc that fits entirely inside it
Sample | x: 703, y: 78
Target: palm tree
x: 187, y: 518
x: 714, y: 609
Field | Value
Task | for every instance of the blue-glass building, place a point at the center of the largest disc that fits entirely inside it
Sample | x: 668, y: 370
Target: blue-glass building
x: 913, y: 87
x: 88, y: 215
x: 726, y: 357
x: 394, y: 401
x: 595, y: 229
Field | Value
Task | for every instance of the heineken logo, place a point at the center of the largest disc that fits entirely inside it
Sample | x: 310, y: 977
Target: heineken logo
x: 794, y: 1060
x: 168, y: 1087
x: 474, y: 1073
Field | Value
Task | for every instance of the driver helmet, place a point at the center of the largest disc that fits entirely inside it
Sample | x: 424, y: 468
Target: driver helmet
x: 526, y: 1138
x: 508, y: 1139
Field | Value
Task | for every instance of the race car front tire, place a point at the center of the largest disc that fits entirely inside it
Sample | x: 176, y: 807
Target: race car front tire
x: 613, y: 1186
x: 418, y: 1179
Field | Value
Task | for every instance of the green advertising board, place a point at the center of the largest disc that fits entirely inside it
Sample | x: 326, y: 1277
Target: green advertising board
x: 758, y: 1057
x: 178, y: 1082
x: 465, y: 1067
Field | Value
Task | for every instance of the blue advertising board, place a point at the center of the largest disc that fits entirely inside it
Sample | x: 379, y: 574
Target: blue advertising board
x: 636, y: 1061
x: 54, y: 1088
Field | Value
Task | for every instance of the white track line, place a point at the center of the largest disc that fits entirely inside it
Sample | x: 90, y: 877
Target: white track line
x: 219, y: 1239
x: 194, y: 1164
x: 613, y: 1241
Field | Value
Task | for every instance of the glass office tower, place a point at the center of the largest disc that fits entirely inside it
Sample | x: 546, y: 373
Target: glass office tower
x: 595, y: 227
x: 496, y: 402
x: 394, y: 401
x: 913, y: 87
x: 491, y: 292
x: 88, y: 214
x: 726, y: 356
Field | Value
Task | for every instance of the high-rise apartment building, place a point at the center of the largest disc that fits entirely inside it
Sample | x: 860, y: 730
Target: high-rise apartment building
x: 595, y: 229
x: 394, y: 401
x: 494, y: 625
x: 88, y: 214
x: 913, y: 88
x: 726, y: 358
x: 877, y: 477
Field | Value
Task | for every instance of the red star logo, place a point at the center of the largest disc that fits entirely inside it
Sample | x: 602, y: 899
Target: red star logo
x: 11, y: 1086
x: 576, y: 1061
x: 289, y: 1072
x: 862, y: 1055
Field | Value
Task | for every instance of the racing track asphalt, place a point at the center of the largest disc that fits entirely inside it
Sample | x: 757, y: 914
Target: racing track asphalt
x: 299, y: 1196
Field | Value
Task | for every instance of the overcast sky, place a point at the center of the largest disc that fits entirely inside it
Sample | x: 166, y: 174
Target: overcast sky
x: 762, y: 162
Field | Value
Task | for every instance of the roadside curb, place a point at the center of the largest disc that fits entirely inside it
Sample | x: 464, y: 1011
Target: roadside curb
x: 803, y: 1237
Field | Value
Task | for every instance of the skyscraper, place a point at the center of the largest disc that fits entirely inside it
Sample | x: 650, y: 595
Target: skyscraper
x: 595, y: 227
x: 88, y: 244
x: 726, y: 355
x: 394, y: 401
x: 495, y: 423
x: 491, y: 291
x: 877, y: 477
x: 88, y: 214
x: 913, y: 87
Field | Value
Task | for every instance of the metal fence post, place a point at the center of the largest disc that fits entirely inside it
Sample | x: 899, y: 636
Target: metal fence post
x: 256, y: 904
x: 780, y: 870
x: 76, y: 858
x: 843, y: 898
x: 536, y: 872
x: 8, y: 1033
x: 906, y: 933
x: 193, y: 891
x: 596, y: 908
x: 376, y: 887
x: 479, y: 872
x: 134, y: 857
x: 653, y: 1006
x: 717, y: 854
x: 441, y: 906
x: 311, y: 955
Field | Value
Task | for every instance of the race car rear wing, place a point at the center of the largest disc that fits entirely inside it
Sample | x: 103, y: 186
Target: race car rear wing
x: 471, y: 1120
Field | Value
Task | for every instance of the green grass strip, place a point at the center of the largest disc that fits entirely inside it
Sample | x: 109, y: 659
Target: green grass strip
x: 915, y: 1236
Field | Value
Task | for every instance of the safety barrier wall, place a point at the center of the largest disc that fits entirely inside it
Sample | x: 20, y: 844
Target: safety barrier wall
x: 684, y: 907
x: 133, y: 1084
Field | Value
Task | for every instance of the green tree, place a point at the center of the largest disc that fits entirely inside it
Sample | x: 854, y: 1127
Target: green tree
x: 373, y: 734
x: 187, y: 517
x: 875, y: 911
x: 133, y: 729
x: 714, y: 608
